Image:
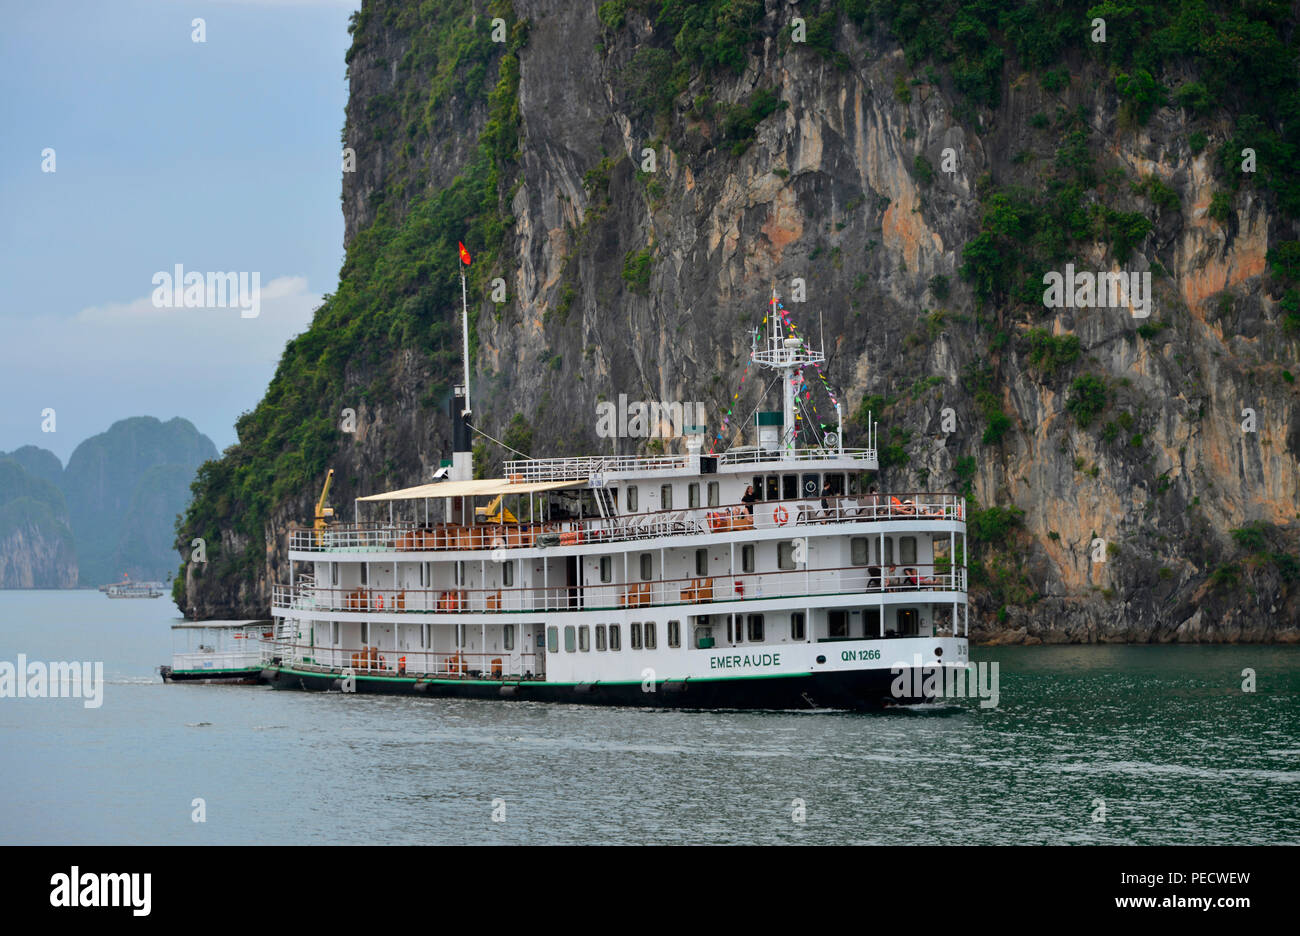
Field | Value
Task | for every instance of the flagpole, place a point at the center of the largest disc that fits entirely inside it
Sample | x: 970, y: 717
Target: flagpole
x: 464, y: 325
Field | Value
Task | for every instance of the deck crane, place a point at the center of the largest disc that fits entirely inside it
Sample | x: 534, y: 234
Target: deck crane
x: 323, y: 513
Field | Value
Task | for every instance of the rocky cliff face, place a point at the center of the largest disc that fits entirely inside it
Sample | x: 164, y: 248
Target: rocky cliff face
x: 1108, y: 457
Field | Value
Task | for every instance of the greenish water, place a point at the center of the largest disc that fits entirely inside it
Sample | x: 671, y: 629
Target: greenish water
x: 1163, y: 735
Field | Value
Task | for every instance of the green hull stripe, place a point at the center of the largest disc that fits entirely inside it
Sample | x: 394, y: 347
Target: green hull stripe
x: 198, y: 672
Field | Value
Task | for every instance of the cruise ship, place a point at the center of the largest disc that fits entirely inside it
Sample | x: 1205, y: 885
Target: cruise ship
x: 766, y: 575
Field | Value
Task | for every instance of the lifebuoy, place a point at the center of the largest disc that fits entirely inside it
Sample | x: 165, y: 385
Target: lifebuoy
x: 380, y: 602
x: 781, y: 515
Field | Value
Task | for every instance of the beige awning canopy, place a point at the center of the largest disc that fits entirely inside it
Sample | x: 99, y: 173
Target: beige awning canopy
x: 483, y: 487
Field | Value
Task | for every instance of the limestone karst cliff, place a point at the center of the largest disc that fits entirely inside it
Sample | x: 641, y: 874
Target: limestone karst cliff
x: 640, y: 173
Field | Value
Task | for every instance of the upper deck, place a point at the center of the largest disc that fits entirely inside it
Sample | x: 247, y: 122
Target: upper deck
x: 600, y: 468
x: 844, y: 513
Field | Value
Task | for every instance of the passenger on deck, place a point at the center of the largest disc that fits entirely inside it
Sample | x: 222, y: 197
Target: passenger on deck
x: 827, y: 494
x: 905, y: 507
x: 748, y: 499
x: 871, y: 502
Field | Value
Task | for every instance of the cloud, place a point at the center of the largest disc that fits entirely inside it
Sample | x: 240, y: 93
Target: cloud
x: 282, y: 293
x: 121, y: 359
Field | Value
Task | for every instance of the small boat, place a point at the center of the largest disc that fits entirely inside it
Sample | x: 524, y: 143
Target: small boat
x: 216, y: 652
x: 129, y: 589
x: 135, y: 590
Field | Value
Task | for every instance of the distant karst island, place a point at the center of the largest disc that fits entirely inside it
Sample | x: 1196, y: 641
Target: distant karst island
x: 111, y: 511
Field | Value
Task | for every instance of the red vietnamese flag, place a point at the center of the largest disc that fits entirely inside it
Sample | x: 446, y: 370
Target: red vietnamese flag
x: 464, y: 254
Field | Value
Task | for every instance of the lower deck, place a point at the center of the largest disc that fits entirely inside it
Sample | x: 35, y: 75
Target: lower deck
x: 619, y: 645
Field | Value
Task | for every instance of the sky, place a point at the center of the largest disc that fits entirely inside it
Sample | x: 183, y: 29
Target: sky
x: 222, y: 155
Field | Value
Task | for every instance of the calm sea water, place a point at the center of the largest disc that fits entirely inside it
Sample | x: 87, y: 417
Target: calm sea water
x: 1163, y: 735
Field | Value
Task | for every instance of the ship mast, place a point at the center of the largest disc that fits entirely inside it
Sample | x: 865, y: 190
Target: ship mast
x: 785, y: 354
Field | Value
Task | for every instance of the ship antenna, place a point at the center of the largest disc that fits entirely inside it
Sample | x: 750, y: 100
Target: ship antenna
x: 464, y: 327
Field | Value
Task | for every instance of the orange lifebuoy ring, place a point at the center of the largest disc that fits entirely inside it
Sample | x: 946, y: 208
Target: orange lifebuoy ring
x: 781, y: 515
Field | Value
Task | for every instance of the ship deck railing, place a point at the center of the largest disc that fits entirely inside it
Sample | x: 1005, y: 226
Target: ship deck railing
x: 374, y: 661
x: 412, y: 536
x: 217, y: 659
x: 913, y: 578
x: 584, y: 467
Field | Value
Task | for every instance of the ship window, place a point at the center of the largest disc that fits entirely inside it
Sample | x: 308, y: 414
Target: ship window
x: 460, y: 635
x: 674, y: 633
x: 508, y: 637
x: 701, y: 562
x: 606, y: 568
x: 645, y: 567
x: 797, y: 626
x: 810, y: 485
x: 693, y: 494
x: 553, y: 640
x: 651, y: 638
x: 790, y: 486
x: 665, y: 497
x: 756, y: 627
x: 584, y: 638
x: 785, y: 555
x: 871, y: 622
x: 365, y: 569
x: 365, y: 633
x: 569, y: 643
x: 836, y: 481
x: 773, y: 492
x: 634, y: 638
x: 507, y: 573
x: 631, y: 497
x: 334, y: 573
x: 907, y: 549
x: 714, y: 497
x: 839, y: 623
x: 853, y: 484
x: 334, y: 633
x: 747, y: 558
x: 907, y: 622
x: 616, y: 637
x: 460, y: 573
x: 858, y: 550
x: 889, y: 552
x: 600, y: 636
x: 758, y: 486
